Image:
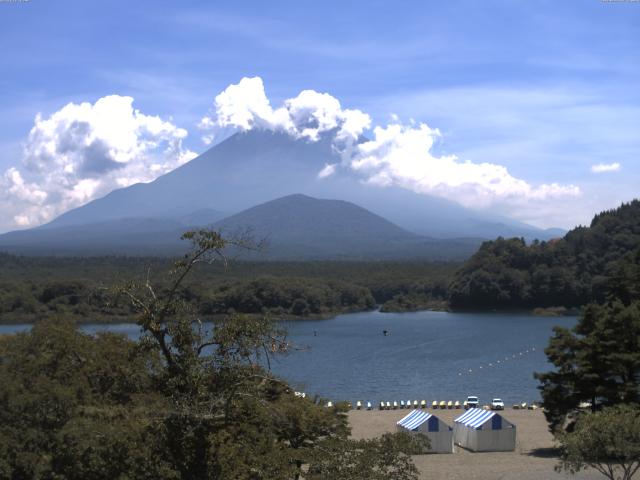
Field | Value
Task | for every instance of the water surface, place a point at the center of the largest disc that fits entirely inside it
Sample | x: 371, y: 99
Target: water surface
x: 426, y: 355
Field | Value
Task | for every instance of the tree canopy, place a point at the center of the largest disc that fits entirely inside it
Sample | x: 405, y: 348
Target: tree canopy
x: 570, y: 272
x: 608, y: 441
x: 598, y: 360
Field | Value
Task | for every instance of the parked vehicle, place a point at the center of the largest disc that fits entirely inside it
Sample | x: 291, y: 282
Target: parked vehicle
x: 497, y: 404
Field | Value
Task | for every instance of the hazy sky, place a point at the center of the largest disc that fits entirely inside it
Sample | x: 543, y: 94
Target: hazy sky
x: 532, y: 107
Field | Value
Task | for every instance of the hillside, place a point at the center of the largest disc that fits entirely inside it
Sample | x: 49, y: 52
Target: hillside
x: 299, y: 227
x: 572, y: 271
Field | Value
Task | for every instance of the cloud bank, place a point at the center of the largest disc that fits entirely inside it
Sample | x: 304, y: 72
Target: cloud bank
x: 84, y: 151
x: 395, y: 155
x: 605, y: 167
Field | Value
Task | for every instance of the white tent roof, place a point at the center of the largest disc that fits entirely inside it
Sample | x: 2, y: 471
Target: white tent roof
x: 475, y: 417
x: 414, y: 419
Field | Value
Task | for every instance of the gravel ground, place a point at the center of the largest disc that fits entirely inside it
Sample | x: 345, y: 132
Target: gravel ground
x: 533, y: 458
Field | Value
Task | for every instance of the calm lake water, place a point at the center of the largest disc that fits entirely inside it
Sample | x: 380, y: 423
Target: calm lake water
x: 427, y: 355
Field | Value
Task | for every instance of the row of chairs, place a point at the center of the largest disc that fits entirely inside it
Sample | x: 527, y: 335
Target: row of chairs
x: 395, y: 405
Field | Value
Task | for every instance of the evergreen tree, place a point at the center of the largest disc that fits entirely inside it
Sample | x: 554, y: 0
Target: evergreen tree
x: 598, y: 361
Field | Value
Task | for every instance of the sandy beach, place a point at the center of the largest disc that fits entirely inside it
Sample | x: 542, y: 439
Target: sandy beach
x: 533, y: 459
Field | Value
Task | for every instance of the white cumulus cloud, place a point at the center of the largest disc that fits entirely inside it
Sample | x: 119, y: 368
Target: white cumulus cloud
x: 605, y: 167
x: 402, y: 155
x: 84, y: 151
x: 396, y: 154
x: 245, y: 105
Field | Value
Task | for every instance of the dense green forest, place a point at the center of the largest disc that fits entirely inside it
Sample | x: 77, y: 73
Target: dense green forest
x: 569, y: 272
x: 34, y: 288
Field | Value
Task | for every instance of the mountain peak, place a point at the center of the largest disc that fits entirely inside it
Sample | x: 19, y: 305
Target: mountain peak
x: 251, y: 168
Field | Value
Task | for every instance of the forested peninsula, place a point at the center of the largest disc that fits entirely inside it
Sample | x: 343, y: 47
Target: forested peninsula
x: 567, y: 272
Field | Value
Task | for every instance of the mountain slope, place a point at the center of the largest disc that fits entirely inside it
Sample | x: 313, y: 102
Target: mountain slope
x: 257, y: 166
x: 301, y: 227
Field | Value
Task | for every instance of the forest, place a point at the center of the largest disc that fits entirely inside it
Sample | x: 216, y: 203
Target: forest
x: 568, y: 272
x: 36, y: 288
x: 504, y: 274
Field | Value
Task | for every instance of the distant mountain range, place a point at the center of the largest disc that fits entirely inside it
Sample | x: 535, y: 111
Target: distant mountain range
x: 268, y: 181
x: 295, y: 227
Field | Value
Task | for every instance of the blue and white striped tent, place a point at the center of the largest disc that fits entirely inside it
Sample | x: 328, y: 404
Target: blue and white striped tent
x: 439, y: 433
x: 484, y: 431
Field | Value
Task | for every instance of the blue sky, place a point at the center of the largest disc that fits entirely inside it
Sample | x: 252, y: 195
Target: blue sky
x: 546, y: 89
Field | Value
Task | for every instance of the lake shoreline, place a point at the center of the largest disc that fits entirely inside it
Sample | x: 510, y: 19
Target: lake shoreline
x: 431, y: 307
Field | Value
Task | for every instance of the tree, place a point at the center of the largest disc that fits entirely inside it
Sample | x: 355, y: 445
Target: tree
x: 608, y: 441
x: 387, y: 457
x: 231, y: 417
x: 187, y: 401
x: 76, y: 406
x: 598, y: 361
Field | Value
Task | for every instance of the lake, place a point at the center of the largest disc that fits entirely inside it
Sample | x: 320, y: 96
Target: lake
x: 426, y: 355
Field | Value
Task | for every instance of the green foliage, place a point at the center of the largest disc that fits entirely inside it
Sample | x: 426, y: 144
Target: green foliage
x: 185, y: 402
x: 33, y: 288
x: 608, y: 441
x: 598, y: 361
x: 569, y: 272
x: 376, y: 459
x: 64, y: 393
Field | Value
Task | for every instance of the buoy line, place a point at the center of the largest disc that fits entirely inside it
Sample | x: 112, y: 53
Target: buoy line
x: 498, y: 362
